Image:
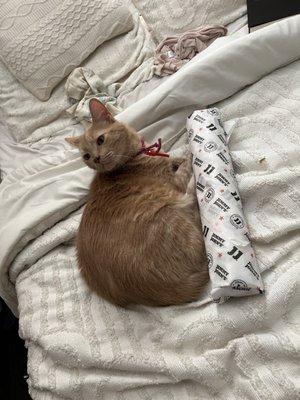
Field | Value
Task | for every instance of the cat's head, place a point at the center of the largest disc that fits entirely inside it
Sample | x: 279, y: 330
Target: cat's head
x: 107, y: 144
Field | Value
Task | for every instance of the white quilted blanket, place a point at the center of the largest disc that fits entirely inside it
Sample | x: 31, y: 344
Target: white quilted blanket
x: 81, y: 347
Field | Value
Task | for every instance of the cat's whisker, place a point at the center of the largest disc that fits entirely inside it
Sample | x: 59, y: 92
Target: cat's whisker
x: 121, y: 155
x: 107, y: 155
x: 107, y: 160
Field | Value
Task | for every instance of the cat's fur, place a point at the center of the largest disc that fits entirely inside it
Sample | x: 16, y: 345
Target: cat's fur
x: 139, y: 239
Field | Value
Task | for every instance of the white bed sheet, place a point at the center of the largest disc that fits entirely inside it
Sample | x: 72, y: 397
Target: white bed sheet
x: 244, y: 349
x: 14, y: 154
x: 31, y: 129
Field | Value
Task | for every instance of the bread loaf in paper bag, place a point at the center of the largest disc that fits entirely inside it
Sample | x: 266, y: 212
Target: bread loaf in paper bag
x: 232, y: 264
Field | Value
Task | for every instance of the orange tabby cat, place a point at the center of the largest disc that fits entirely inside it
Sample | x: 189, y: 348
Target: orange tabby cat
x: 139, y: 240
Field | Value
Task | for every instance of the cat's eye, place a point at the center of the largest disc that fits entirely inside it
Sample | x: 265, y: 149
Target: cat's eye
x: 86, y: 156
x: 175, y: 167
x: 100, y: 140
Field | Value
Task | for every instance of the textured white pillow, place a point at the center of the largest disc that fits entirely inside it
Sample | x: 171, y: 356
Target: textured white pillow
x: 169, y: 17
x: 43, y: 41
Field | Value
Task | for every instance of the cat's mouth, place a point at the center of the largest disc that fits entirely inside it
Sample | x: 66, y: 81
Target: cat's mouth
x: 111, y: 161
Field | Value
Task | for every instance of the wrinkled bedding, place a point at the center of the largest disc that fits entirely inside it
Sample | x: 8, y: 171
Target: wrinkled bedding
x: 81, y: 347
x: 31, y: 128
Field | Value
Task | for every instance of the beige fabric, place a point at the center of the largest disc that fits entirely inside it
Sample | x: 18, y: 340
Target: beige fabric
x: 81, y: 86
x: 41, y: 42
x: 175, y: 51
x: 171, y: 17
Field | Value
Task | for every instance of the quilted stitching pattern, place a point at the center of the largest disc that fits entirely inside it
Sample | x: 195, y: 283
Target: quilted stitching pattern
x: 41, y: 42
x: 171, y: 17
x: 81, y: 347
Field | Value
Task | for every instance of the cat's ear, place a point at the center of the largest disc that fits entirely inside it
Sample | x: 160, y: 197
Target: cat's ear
x: 73, y: 140
x: 99, y: 113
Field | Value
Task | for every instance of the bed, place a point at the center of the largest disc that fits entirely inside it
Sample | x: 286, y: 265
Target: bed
x: 81, y: 347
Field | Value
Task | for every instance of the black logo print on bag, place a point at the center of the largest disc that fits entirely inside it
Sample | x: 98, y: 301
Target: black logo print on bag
x: 221, y: 204
x: 248, y: 237
x: 210, y: 260
x: 223, y: 158
x: 209, y: 147
x: 220, y: 123
x: 249, y: 266
x: 235, y: 253
x: 200, y: 187
x: 209, y: 169
x: 198, y: 118
x: 238, y: 284
x: 217, y: 240
x: 198, y: 162
x: 237, y: 221
x: 211, y: 127
x: 213, y: 112
x: 221, y: 137
x: 222, y: 179
x: 205, y: 230
x: 198, y: 139
x: 235, y: 195
x: 221, y: 272
x: 209, y: 195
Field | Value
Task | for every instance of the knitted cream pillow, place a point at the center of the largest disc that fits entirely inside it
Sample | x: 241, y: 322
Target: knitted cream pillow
x: 172, y: 17
x: 43, y: 41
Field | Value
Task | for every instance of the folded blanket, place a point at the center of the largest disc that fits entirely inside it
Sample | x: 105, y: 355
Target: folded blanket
x: 175, y: 51
x: 82, y: 85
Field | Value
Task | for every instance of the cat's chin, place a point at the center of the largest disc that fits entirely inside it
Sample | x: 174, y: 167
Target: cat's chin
x: 105, y: 168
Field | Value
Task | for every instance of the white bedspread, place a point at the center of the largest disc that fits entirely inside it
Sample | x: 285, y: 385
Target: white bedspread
x: 33, y: 128
x: 81, y: 347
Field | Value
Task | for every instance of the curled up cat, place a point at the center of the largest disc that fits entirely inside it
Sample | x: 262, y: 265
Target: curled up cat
x: 140, y: 239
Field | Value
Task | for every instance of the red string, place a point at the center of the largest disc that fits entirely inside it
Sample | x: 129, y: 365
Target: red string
x: 153, y: 149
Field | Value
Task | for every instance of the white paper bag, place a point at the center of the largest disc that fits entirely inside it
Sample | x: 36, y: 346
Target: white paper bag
x: 232, y: 264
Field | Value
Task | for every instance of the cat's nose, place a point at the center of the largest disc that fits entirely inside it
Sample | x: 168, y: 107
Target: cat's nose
x: 97, y: 160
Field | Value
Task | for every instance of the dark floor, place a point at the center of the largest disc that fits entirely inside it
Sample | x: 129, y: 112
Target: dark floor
x: 13, y: 358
